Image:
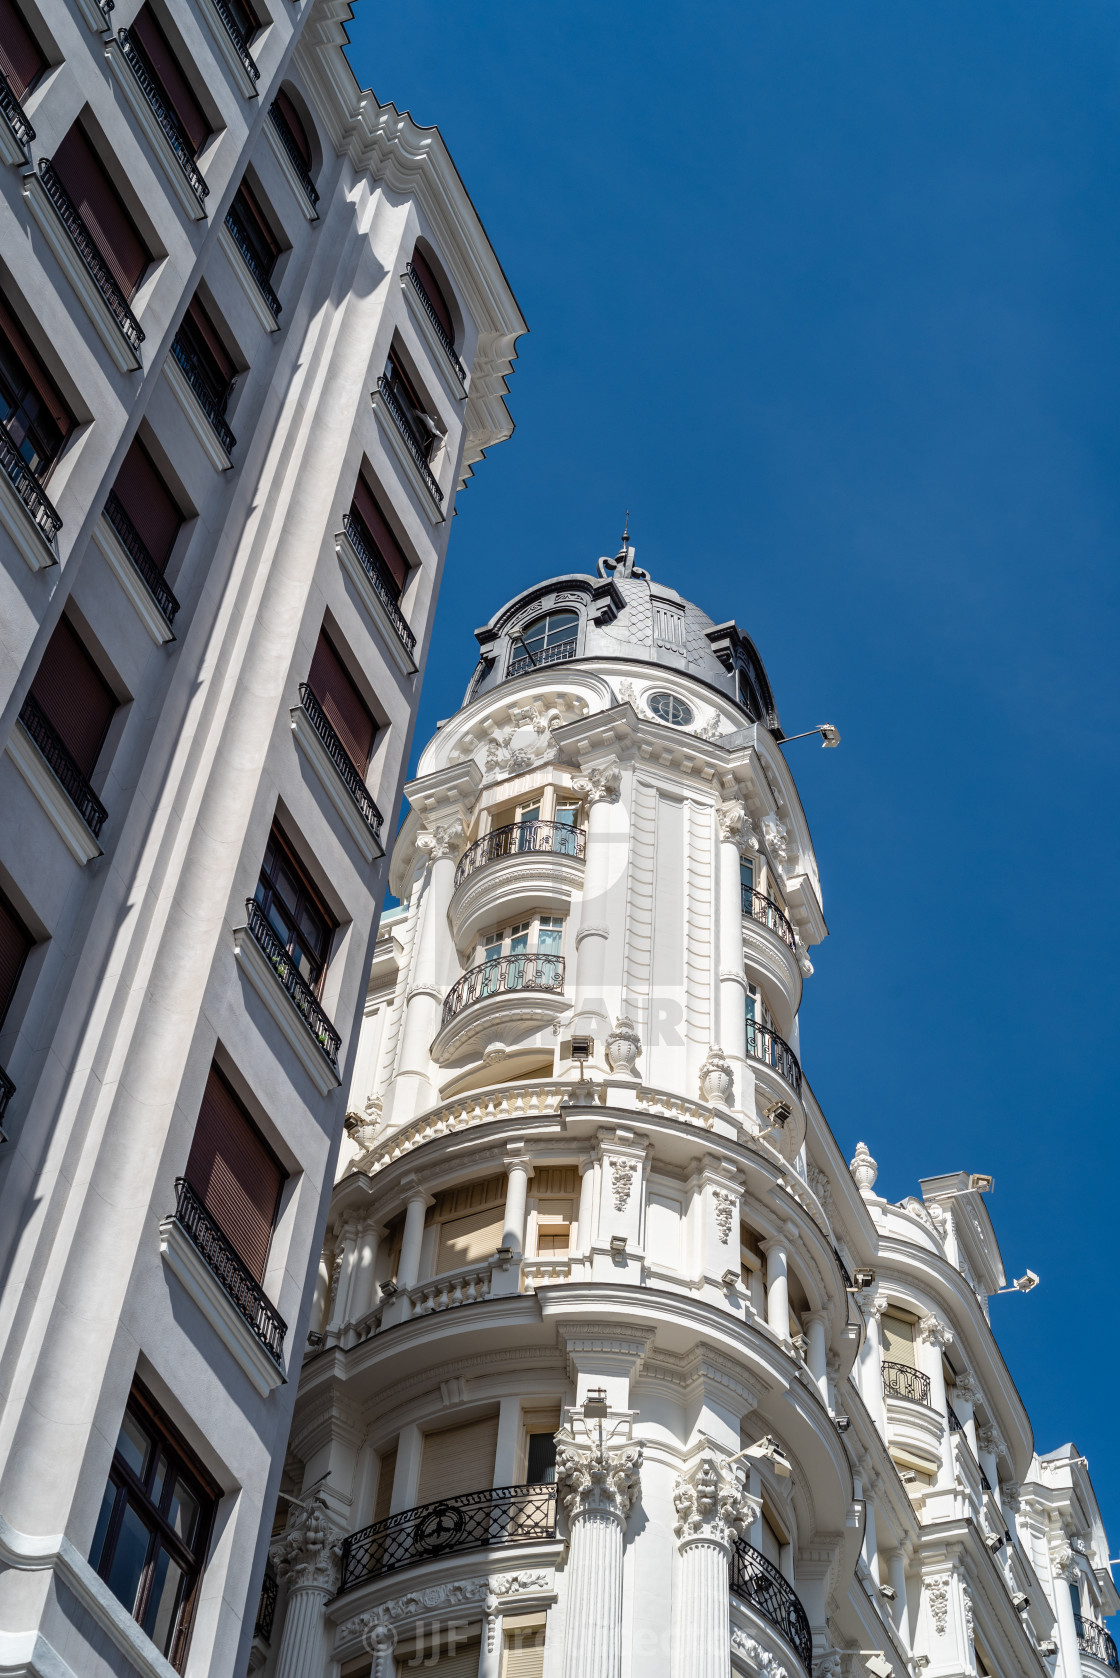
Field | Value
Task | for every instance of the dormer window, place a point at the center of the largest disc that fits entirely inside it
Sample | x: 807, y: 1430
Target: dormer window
x: 547, y: 640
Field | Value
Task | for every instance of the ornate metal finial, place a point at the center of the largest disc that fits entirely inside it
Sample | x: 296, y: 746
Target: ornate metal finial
x: 622, y: 565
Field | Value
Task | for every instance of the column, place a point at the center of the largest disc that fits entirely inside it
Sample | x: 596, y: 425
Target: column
x: 931, y: 1337
x: 777, y: 1288
x: 713, y: 1509
x: 1066, y: 1573
x: 408, y: 1267
x: 599, y: 785
x: 413, y: 1089
x: 817, y: 1352
x: 871, y: 1366
x: 347, y: 1243
x: 307, y: 1557
x: 597, y: 1483
x: 518, y: 1171
x: 321, y: 1297
x: 586, y: 1206
x: 735, y: 831
x: 870, y: 1537
x: 896, y: 1578
x: 365, y: 1263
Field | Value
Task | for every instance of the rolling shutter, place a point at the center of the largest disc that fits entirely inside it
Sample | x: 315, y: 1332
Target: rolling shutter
x: 344, y: 707
x: 469, y: 1240
x: 463, y: 1663
x: 460, y: 1459
x: 523, y: 1653
x: 206, y: 342
x: 370, y: 514
x: 435, y: 295
x: 98, y: 203
x: 15, y: 941
x: 145, y: 498
x: 20, y: 58
x: 898, y: 1340
x: 295, y: 123
x: 177, y: 91
x: 235, y: 1174
x: 76, y: 698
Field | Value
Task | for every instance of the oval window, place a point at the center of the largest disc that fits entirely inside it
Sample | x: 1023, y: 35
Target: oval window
x: 669, y: 708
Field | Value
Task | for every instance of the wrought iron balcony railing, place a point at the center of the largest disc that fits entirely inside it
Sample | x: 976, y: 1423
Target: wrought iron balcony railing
x: 523, y: 839
x: 759, y: 1583
x: 293, y: 982
x: 15, y: 116
x: 28, y: 488
x: 288, y: 141
x: 955, y: 1423
x: 414, y: 444
x: 233, y: 29
x: 62, y: 765
x: 901, y: 1381
x: 765, y: 911
x: 223, y: 1260
x: 471, y: 1521
x: 86, y: 247
x: 557, y: 654
x: 1093, y: 1639
x: 266, y: 1607
x: 249, y: 258
x: 380, y: 576
x: 7, y: 1090
x: 341, y: 758
x: 134, y: 547
x: 503, y: 973
x: 168, y: 123
x: 437, y: 325
x: 764, y: 1044
x: 207, y: 399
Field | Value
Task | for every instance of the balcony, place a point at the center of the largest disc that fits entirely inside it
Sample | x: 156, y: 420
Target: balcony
x: 764, y: 1044
x: 29, y: 490
x: 134, y: 547
x: 503, y: 974
x: 208, y: 399
x: 437, y: 325
x: 291, y: 150
x: 62, y: 765
x: 416, y: 446
x: 165, y: 120
x: 765, y: 911
x: 14, y: 116
x: 241, y: 52
x: 471, y: 1521
x: 384, y: 585
x: 901, y: 1381
x: 266, y: 1607
x: 240, y: 1287
x: 248, y: 257
x: 91, y: 258
x: 522, y: 839
x: 757, y: 1582
x: 557, y: 654
x: 301, y: 995
x: 344, y: 765
x: 1094, y: 1640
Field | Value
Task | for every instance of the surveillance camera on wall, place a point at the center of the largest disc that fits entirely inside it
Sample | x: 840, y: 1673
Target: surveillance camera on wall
x: 994, y: 1541
x: 1047, y: 1648
x: 879, y: 1666
x: 1020, y: 1602
x: 862, y: 1280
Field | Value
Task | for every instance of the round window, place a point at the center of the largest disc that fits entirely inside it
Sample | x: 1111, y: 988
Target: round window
x: 670, y: 709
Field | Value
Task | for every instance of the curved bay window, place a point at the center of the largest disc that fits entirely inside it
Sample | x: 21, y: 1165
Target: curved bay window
x: 294, y: 911
x: 154, y: 1526
x: 549, y: 639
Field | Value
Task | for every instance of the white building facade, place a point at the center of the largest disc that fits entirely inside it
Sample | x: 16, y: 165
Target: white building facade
x: 617, y: 1366
x: 252, y: 339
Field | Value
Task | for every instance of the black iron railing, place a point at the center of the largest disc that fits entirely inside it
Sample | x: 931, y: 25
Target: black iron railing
x: 266, y: 1607
x: 86, y: 247
x: 763, y: 1043
x: 559, y: 653
x: 437, y: 324
x: 134, y: 547
x: 765, y: 911
x: 250, y: 259
x: 559, y: 838
x: 62, y: 765
x: 341, y: 759
x: 757, y: 1581
x: 1093, y: 1639
x: 168, y: 123
x: 293, y: 982
x: 504, y: 973
x: 471, y: 1521
x: 955, y: 1423
x: 7, y: 1090
x: 233, y: 29
x: 901, y: 1381
x: 208, y: 400
x: 382, y: 579
x: 295, y: 158
x: 414, y: 444
x: 985, y: 1483
x: 224, y: 1262
x: 15, y: 116
x: 28, y: 488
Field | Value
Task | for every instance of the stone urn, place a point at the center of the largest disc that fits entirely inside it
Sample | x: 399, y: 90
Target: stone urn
x: 717, y: 1081
x: 863, y: 1168
x: 622, y: 1047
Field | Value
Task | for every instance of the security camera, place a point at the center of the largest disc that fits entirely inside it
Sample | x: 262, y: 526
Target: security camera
x: 981, y: 1182
x: 994, y: 1541
x: 843, y: 1423
x: 1027, y: 1282
x: 879, y: 1666
x: 1047, y: 1648
x: 888, y: 1591
x: 1020, y: 1602
x: 862, y: 1280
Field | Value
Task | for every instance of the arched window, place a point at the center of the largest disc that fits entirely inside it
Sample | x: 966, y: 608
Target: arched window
x: 547, y: 640
x: 294, y: 123
x: 425, y: 280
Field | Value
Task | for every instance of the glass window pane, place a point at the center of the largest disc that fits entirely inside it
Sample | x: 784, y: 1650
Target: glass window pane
x: 128, y: 1559
x: 182, y: 1511
x: 530, y: 813
x: 548, y: 942
x: 102, y: 1526
x: 134, y: 1445
x: 567, y: 814
x: 519, y: 943
x: 167, y: 1584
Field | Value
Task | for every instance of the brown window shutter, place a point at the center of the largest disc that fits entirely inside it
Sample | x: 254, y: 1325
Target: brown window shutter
x: 75, y: 696
x: 458, y: 1459
x: 15, y: 941
x: 250, y: 205
x: 212, y: 343
x: 435, y: 295
x: 177, y: 90
x: 37, y: 375
x: 368, y: 511
x: 235, y: 1173
x: 295, y: 123
x: 343, y: 704
x: 145, y: 498
x: 20, y: 58
x: 98, y: 203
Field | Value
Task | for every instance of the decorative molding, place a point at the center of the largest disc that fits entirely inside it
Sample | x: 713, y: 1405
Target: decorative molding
x: 600, y: 783
x: 185, y: 1262
x: 717, y: 1081
x: 438, y: 1599
x: 713, y: 1504
x: 863, y: 1168
x: 308, y: 1554
x: 937, y: 1599
x: 759, y: 1658
x: 622, y: 1047
x: 726, y: 1204
x: 593, y: 1479
x: 933, y: 1332
x: 132, y: 583
x: 69, y: 259
x: 52, y: 795
x: 307, y: 739
x: 442, y: 842
x: 259, y: 971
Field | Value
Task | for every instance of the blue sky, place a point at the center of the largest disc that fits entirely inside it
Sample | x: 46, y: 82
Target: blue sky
x: 825, y: 291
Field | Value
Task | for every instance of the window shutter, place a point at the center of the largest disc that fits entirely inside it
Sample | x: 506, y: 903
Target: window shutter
x: 365, y: 505
x: 295, y: 123
x: 20, y: 58
x: 345, y: 709
x: 523, y: 1655
x: 462, y: 1664
x: 460, y: 1459
x: 469, y: 1240
x: 15, y: 941
x: 385, y: 1485
x: 435, y: 295
x: 249, y: 206
x: 235, y: 1173
x: 219, y: 363
x: 98, y: 203
x: 898, y: 1340
x: 76, y: 698
x: 145, y: 498
x: 176, y: 89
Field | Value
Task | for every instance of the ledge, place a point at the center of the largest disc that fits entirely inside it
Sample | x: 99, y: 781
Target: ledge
x: 13, y: 155
x: 257, y: 969
x: 334, y: 786
x: 451, y: 379
x: 153, y: 133
x: 358, y: 575
x: 18, y: 523
x: 132, y: 583
x: 287, y: 169
x: 196, y: 419
x: 246, y: 281
x: 82, y: 281
x: 228, y: 51
x: 52, y: 795
x: 184, y: 1260
x: 390, y: 431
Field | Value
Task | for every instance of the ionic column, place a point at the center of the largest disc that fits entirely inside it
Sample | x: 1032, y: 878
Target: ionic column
x: 713, y: 1509
x: 307, y: 1557
x: 413, y: 1089
x: 932, y: 1337
x: 735, y: 834
x: 816, y: 1354
x: 599, y: 785
x: 777, y: 1288
x: 598, y: 1485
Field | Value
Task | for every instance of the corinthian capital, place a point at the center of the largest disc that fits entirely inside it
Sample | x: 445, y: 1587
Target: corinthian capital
x: 735, y: 826
x: 599, y: 784
x: 307, y: 1555
x: 712, y: 1503
x: 441, y: 841
x: 933, y: 1330
x: 598, y: 1479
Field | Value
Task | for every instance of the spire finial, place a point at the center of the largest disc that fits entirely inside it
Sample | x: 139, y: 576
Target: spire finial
x: 626, y: 531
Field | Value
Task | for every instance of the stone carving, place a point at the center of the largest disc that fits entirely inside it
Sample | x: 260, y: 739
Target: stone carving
x: 712, y: 729
x: 628, y: 694
x: 726, y: 1205
x: 992, y: 1442
x: 863, y: 1168
x: 830, y: 1664
x: 599, y: 784
x: 933, y: 1331
x: 775, y: 834
x: 435, y: 1599
x: 1064, y: 1563
x: 712, y: 1503
x: 758, y: 1657
x: 717, y: 1081
x: 967, y: 1612
x: 598, y: 1478
x: 937, y: 1597
x: 968, y: 1390
x: 441, y: 841
x: 623, y: 1172
x: 917, y: 1209
x: 307, y: 1554
x: 735, y: 826
x: 623, y: 1046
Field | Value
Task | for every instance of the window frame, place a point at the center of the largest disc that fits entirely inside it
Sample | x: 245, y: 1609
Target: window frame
x: 308, y: 892
x: 518, y: 637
